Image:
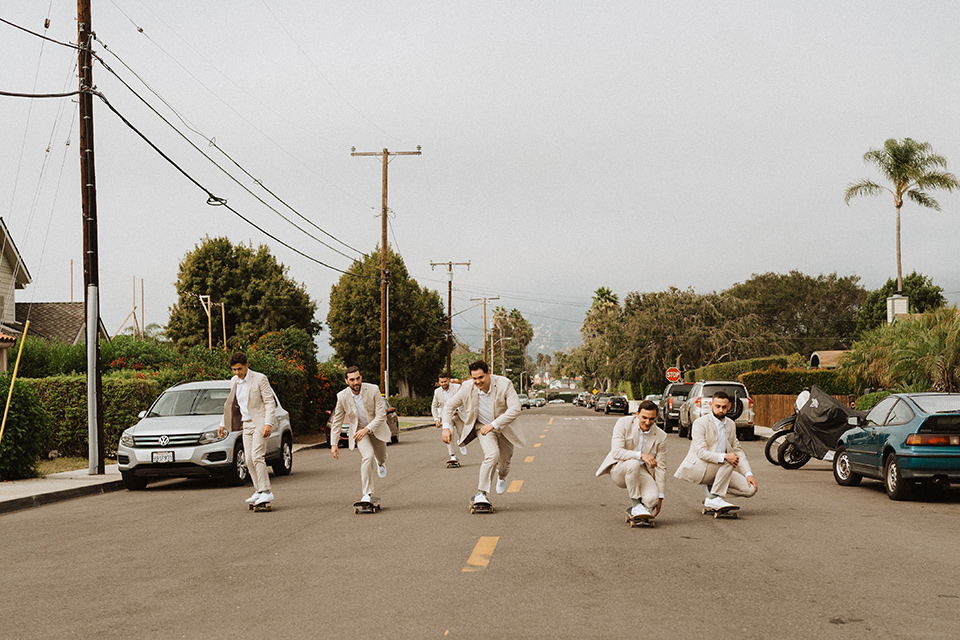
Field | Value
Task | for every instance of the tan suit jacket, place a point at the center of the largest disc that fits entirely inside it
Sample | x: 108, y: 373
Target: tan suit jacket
x: 623, y: 447
x: 261, y: 403
x: 703, y: 450
x: 346, y: 412
x: 436, y: 407
x: 506, y: 408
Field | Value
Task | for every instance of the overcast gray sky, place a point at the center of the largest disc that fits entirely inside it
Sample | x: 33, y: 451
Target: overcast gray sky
x: 566, y: 145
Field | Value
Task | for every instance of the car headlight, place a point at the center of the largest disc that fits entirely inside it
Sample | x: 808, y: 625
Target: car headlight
x: 211, y: 436
x: 126, y: 439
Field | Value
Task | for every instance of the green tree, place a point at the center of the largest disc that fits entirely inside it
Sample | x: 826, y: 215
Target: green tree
x: 512, y: 333
x: 912, y: 168
x: 808, y: 313
x: 418, y: 322
x: 922, y: 293
x: 257, y: 293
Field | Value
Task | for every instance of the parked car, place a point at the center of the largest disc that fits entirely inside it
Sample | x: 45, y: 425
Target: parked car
x: 177, y: 438
x: 581, y: 399
x: 556, y: 401
x: 601, y: 401
x: 905, y: 439
x: 618, y: 404
x: 653, y: 397
x: 668, y: 414
x: 524, y: 401
x: 392, y: 421
x: 698, y: 404
x: 539, y: 401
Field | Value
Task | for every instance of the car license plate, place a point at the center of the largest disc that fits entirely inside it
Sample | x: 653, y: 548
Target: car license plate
x: 159, y: 457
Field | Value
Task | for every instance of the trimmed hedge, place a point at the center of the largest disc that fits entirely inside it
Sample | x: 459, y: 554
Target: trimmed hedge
x: 414, y: 407
x: 793, y: 381
x: 731, y: 370
x: 870, y: 400
x: 25, y: 434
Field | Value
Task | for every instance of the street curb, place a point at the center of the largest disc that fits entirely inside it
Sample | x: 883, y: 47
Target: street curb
x: 326, y: 445
x: 17, y: 504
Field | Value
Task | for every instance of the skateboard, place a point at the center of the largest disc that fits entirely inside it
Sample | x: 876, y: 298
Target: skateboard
x: 724, y: 512
x: 640, y: 521
x: 263, y: 506
x: 453, y: 464
x: 481, y: 507
x: 367, y: 507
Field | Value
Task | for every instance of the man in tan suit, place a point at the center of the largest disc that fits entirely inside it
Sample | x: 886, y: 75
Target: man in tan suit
x: 362, y: 408
x: 441, y: 394
x: 489, y: 405
x: 251, y: 406
x: 715, y: 458
x: 637, y: 460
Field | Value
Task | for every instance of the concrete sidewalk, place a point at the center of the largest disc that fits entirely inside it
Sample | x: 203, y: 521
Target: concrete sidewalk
x: 33, y: 492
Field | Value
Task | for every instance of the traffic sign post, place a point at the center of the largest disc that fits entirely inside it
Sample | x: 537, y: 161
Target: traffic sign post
x: 673, y: 374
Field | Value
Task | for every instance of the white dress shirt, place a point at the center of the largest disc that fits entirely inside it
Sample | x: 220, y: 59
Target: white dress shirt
x: 362, y: 419
x: 485, y: 408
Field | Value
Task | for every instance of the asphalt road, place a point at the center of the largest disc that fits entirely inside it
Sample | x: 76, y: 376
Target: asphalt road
x: 185, y: 558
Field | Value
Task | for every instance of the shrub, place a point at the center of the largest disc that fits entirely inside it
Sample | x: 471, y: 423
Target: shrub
x: 731, y: 370
x: 129, y: 352
x: 41, y: 358
x: 870, y: 400
x: 26, y: 433
x: 793, y: 381
x: 411, y: 406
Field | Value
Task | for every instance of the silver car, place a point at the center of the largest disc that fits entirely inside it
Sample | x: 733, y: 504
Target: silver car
x: 697, y: 404
x: 177, y: 438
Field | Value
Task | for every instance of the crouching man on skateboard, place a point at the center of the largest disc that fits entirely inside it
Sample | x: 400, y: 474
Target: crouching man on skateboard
x: 715, y: 459
x: 637, y: 460
x: 362, y: 408
x: 489, y: 405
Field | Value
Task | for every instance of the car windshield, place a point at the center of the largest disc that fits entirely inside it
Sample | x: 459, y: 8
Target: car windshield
x: 189, y: 402
x: 947, y: 403
x: 733, y: 390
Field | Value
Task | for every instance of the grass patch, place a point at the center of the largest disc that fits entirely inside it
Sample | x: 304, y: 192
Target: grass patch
x: 45, y: 467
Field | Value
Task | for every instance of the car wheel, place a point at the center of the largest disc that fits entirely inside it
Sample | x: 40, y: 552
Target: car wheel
x: 790, y: 457
x: 746, y: 434
x: 736, y: 409
x: 132, y: 482
x: 238, y: 474
x: 395, y: 439
x: 284, y: 465
x: 842, y: 473
x: 606, y: 410
x: 897, y: 487
x: 667, y: 426
x: 773, y: 443
x: 681, y: 430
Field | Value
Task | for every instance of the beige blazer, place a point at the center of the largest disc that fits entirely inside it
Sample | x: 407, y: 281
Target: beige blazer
x: 261, y: 403
x: 346, y: 412
x: 436, y: 407
x: 703, y: 450
x: 623, y: 447
x: 506, y: 408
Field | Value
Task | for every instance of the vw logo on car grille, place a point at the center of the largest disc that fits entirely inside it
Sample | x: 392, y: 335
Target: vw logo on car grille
x: 164, y: 441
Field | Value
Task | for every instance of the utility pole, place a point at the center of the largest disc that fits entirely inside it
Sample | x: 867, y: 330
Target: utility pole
x: 485, y: 326
x: 450, y: 266
x: 223, y: 317
x: 384, y: 378
x: 91, y: 263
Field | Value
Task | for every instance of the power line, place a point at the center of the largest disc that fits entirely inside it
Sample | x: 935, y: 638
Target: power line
x: 40, y: 35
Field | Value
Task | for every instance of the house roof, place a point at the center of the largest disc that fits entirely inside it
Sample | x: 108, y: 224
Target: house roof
x: 825, y: 359
x: 56, y: 321
x: 12, y: 254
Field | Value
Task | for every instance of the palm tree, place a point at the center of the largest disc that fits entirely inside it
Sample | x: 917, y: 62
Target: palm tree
x: 912, y: 167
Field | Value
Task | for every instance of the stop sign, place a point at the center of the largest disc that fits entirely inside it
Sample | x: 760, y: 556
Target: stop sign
x: 673, y: 374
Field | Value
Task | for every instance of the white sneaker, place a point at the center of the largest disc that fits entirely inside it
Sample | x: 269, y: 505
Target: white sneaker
x: 501, y: 485
x: 480, y: 497
x: 366, y: 498
x: 463, y: 451
x: 639, y: 510
x: 266, y: 496
x: 382, y: 470
x: 453, y: 457
x: 716, y: 503
x: 253, y: 498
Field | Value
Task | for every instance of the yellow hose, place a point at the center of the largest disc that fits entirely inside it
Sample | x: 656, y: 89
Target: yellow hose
x: 16, y: 366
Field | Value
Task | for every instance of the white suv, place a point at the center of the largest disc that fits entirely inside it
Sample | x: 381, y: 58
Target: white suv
x: 698, y: 404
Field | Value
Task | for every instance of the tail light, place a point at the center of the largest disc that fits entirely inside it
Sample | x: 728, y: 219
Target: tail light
x: 749, y: 403
x: 697, y: 402
x: 670, y: 403
x: 932, y: 440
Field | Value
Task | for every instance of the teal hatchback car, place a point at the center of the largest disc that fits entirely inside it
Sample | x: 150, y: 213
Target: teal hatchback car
x: 906, y: 439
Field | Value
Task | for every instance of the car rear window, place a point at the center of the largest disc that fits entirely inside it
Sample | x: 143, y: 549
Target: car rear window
x: 732, y: 390
x: 938, y: 403
x: 681, y: 390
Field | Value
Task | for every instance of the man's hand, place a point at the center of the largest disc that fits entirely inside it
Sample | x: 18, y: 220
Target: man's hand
x: 648, y: 459
x: 437, y: 422
x: 732, y: 458
x: 221, y: 432
x: 656, y: 509
x: 359, y: 435
x: 447, y: 436
x: 335, y: 450
x: 485, y: 429
x: 753, y: 483
x: 267, y: 430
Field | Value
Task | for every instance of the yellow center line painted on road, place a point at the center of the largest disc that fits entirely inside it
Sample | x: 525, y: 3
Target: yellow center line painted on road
x: 536, y: 445
x: 515, y: 486
x: 550, y: 423
x: 480, y: 557
x: 528, y: 459
x: 543, y: 436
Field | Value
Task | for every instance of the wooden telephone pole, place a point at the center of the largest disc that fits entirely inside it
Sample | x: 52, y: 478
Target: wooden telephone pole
x: 91, y: 265
x: 485, y: 326
x: 450, y: 266
x: 384, y: 368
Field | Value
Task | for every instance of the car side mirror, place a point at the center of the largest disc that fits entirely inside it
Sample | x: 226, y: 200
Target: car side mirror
x: 142, y: 415
x: 854, y: 421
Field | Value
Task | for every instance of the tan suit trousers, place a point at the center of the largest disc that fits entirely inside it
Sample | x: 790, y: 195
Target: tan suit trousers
x: 454, y: 438
x: 724, y: 478
x: 497, y: 452
x: 255, y: 450
x: 372, y: 453
x: 637, y: 478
